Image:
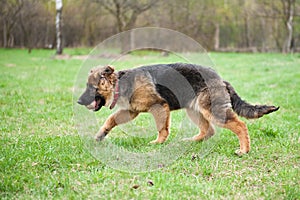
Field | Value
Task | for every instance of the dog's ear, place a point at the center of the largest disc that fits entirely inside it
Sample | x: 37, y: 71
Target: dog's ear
x: 108, y: 70
x: 92, y: 71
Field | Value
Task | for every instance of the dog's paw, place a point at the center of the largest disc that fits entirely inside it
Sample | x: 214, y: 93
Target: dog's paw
x: 100, y: 136
x: 156, y: 142
x: 240, y: 153
x: 153, y: 142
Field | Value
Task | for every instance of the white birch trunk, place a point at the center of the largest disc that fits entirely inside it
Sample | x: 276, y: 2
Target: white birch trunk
x: 289, y: 25
x: 59, y: 6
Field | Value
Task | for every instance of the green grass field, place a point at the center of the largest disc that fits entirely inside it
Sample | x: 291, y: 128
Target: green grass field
x: 43, y: 157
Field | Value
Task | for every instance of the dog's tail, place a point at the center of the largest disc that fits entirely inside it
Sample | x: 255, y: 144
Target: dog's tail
x: 245, y: 109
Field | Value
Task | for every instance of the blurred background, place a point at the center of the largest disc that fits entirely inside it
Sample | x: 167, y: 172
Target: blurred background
x: 218, y: 25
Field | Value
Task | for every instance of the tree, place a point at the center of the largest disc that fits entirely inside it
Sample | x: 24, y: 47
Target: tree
x: 59, y: 7
x: 220, y: 25
x: 126, y: 12
x: 9, y: 11
x: 289, y: 12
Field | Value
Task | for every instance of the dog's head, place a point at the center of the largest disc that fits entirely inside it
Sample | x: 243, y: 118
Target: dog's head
x: 99, y: 88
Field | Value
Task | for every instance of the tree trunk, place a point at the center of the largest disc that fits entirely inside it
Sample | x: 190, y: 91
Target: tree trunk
x: 288, y: 46
x: 58, y: 23
x: 46, y: 42
x: 276, y: 34
x: 264, y: 47
x: 4, y: 34
x: 247, y: 31
x: 217, y: 37
x: 289, y: 26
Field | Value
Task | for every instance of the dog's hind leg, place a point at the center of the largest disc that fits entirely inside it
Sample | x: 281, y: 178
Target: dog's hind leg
x: 161, y: 114
x: 120, y: 117
x: 233, y: 123
x: 240, y: 129
x: 206, y: 128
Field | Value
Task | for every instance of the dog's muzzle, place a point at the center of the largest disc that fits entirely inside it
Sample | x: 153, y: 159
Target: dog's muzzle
x: 92, y: 102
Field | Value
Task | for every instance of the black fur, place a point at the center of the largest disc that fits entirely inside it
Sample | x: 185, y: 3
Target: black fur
x: 169, y: 96
x: 244, y: 109
x: 177, y: 83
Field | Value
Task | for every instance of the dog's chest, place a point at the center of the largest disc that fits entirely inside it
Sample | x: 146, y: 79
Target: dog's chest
x: 123, y: 103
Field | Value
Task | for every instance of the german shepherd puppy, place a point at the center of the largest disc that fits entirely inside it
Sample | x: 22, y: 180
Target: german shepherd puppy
x: 159, y: 89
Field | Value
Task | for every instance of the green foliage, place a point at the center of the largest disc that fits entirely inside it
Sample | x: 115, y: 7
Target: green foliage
x: 221, y: 25
x: 42, y: 157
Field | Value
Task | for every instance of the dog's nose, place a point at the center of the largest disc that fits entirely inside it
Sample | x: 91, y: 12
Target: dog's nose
x: 80, y: 102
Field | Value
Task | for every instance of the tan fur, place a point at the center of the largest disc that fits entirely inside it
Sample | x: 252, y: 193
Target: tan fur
x: 161, y: 114
x: 145, y: 98
x: 120, y: 117
x: 144, y: 95
x: 206, y: 128
x: 240, y: 129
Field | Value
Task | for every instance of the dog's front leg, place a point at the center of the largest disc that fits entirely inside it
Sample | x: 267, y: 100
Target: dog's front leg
x: 161, y: 114
x: 120, y: 117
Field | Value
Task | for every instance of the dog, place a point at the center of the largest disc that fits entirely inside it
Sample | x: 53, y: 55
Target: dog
x: 159, y: 89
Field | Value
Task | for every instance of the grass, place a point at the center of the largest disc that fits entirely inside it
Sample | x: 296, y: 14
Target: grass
x: 42, y: 156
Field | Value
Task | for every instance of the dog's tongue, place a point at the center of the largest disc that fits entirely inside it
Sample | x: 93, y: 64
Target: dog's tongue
x: 96, y: 103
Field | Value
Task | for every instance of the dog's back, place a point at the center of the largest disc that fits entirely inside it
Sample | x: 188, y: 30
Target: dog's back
x: 179, y: 84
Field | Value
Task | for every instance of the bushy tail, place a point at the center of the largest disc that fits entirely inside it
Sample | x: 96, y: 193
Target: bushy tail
x: 245, y: 109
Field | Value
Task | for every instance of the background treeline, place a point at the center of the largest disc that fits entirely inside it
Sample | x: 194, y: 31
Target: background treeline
x: 222, y: 25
